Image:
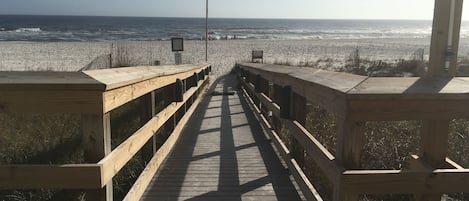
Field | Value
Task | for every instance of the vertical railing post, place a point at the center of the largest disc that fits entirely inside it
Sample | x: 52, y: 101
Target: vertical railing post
x: 285, y: 105
x: 350, y: 143
x: 290, y: 110
x: 179, y: 91
x: 148, y: 110
x: 299, y: 110
x: 96, y: 130
x: 202, y: 75
x: 179, y: 96
x: 257, y: 84
x: 433, y: 149
x: 443, y: 62
x: 195, y: 79
x: 277, y: 97
x: 153, y: 113
x: 248, y: 77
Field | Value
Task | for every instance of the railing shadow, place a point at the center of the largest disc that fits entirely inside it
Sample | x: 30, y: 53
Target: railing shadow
x: 427, y: 85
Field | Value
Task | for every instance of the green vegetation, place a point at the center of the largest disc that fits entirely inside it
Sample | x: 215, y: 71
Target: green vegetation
x: 40, y: 139
x: 56, y: 139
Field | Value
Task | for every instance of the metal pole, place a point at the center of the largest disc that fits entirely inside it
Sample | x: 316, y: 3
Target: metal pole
x: 206, y: 30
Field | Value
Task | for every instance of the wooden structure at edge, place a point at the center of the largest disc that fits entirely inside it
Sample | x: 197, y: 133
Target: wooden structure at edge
x: 354, y: 100
x: 93, y: 94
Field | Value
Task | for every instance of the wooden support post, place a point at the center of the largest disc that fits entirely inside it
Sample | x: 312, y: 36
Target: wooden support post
x: 147, y: 112
x: 179, y: 91
x: 195, y: 79
x: 248, y: 77
x: 445, y: 38
x: 96, y: 130
x: 299, y: 111
x: 277, y: 98
x: 285, y: 104
x: 290, y: 109
x: 434, y: 149
x: 257, y: 84
x: 271, y: 89
x: 202, y: 75
x: 153, y: 113
x: 350, y: 142
x: 184, y: 89
x: 277, y: 94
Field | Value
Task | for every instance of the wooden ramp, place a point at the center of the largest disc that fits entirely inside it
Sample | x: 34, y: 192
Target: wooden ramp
x: 223, y: 154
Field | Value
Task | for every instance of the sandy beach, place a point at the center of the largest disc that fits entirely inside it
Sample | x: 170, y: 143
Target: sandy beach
x: 223, y: 54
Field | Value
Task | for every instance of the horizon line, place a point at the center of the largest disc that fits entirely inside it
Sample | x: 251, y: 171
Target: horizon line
x: 197, y: 17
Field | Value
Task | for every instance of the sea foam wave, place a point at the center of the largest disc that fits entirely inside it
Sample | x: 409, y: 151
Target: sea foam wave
x: 28, y: 30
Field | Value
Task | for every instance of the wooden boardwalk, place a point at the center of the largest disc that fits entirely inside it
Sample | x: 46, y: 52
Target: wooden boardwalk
x: 223, y: 154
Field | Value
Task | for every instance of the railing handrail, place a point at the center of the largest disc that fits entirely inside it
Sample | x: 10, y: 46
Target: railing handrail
x: 276, y: 91
x: 336, y: 88
x: 94, y: 94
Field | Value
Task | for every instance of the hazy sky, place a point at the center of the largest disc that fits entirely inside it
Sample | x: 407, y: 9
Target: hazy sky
x: 321, y: 9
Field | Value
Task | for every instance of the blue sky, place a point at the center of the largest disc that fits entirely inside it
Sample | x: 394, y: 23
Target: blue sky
x: 318, y: 9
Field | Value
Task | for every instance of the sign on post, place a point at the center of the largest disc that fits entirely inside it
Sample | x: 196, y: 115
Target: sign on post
x: 177, y: 46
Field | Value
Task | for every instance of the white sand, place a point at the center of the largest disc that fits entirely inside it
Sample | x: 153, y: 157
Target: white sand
x: 223, y: 54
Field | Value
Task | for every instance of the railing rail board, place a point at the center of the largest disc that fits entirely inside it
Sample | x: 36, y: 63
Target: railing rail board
x: 118, y: 77
x: 81, y: 176
x: 48, y: 80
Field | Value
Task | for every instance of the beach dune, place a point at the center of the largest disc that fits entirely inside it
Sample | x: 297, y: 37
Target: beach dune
x: 222, y: 54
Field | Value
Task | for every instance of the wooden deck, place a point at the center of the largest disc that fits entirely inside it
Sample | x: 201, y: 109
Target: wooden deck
x: 223, y: 154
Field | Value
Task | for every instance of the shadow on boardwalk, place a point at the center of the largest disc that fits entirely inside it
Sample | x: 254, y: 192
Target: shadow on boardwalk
x: 222, y: 155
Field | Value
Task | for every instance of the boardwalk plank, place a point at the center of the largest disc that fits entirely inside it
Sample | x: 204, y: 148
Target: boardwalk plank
x: 223, y: 155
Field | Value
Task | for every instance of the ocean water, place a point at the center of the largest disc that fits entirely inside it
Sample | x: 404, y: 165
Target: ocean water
x: 82, y: 28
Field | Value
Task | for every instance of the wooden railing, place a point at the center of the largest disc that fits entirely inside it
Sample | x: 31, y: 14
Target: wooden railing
x: 94, y: 94
x: 279, y: 95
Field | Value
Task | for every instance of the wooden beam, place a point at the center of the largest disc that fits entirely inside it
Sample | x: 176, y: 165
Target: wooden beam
x: 138, y: 189
x: 433, y: 150
x: 303, y: 182
x: 452, y: 164
x: 321, y: 156
x: 350, y: 142
x: 51, y: 101
x: 406, y: 182
x: 383, y: 181
x: 416, y: 163
x: 37, y: 80
x: 114, y: 78
x: 84, y: 176
x: 445, y: 37
x: 401, y: 108
x: 96, y: 130
x: 434, y: 143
